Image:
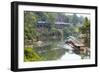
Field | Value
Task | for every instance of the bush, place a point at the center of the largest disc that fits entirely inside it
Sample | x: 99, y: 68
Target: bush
x: 31, y: 55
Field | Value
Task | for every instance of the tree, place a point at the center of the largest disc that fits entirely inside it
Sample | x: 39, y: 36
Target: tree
x: 29, y: 26
x: 75, y: 19
x: 85, y: 29
x: 50, y: 19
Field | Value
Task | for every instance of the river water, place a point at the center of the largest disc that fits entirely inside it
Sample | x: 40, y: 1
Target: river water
x: 61, y: 51
x: 69, y: 55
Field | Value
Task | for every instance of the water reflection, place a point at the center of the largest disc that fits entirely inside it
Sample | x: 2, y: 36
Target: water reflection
x: 56, y: 51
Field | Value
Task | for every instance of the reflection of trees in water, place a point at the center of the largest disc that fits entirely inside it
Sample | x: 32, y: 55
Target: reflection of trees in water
x: 44, y: 52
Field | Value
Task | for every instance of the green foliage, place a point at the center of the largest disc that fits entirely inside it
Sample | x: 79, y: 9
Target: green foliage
x: 50, y: 19
x: 31, y: 55
x: 85, y: 29
x: 29, y: 26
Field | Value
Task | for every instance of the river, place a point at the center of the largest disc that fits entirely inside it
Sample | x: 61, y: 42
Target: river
x: 69, y: 55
